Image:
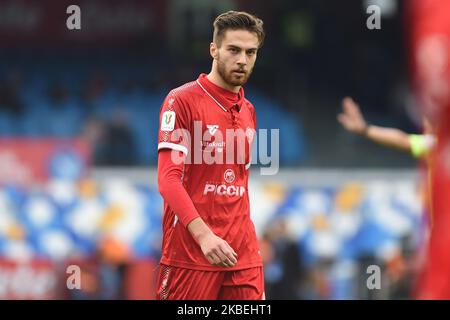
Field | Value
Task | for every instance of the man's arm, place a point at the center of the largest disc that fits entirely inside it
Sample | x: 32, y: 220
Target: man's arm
x: 216, y: 250
x: 352, y: 120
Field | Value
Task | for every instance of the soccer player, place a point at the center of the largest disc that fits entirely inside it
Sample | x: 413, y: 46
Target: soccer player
x: 430, y: 49
x: 419, y: 145
x: 209, y: 248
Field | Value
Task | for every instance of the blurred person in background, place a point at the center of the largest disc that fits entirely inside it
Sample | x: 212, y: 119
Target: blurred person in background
x: 94, y: 132
x: 10, y: 91
x: 283, y: 265
x: 97, y: 85
x: 114, y: 258
x: 405, y: 266
x: 419, y: 145
x: 210, y: 248
x: 58, y: 95
x: 120, y: 147
x: 431, y: 70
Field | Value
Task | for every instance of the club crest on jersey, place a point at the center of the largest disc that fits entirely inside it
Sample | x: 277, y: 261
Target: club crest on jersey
x: 212, y: 128
x: 229, y: 176
x: 168, y: 121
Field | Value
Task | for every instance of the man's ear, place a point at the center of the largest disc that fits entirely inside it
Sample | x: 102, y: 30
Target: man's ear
x: 213, y: 50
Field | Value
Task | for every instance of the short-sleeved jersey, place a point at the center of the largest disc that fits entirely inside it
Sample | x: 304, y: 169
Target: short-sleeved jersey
x: 206, y: 127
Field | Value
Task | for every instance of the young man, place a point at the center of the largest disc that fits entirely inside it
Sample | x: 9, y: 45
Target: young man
x: 209, y: 247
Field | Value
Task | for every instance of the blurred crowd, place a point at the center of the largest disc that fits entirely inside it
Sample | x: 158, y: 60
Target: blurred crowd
x: 316, y: 242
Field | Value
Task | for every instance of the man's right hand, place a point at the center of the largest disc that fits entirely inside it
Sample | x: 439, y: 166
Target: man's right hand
x: 351, y: 118
x: 216, y: 250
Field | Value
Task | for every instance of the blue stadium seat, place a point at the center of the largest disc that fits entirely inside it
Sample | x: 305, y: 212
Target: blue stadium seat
x: 7, y: 124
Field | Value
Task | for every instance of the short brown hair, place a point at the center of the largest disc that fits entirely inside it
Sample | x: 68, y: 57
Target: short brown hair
x: 237, y: 20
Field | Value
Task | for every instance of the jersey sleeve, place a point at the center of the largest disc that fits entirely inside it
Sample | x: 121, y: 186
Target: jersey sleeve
x: 172, y: 189
x: 174, y: 125
x: 421, y: 144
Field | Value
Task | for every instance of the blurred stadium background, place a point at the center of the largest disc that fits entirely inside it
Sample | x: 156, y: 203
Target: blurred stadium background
x: 78, y: 145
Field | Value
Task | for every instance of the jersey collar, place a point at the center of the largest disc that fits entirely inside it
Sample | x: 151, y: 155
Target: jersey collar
x: 218, y: 94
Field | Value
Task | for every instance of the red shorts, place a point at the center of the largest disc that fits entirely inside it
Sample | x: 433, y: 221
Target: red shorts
x: 186, y: 284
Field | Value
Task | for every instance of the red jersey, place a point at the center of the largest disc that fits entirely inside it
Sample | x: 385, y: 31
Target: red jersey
x: 431, y: 61
x: 198, y: 119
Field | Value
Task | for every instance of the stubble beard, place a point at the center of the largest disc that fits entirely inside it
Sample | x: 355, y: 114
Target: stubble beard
x: 231, y: 78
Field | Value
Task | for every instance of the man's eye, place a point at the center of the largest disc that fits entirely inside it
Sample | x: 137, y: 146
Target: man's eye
x: 233, y: 50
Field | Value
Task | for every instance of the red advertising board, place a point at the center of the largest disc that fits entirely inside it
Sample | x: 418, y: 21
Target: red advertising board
x: 49, y: 280
x: 34, y: 280
x: 28, y: 161
x: 43, y: 22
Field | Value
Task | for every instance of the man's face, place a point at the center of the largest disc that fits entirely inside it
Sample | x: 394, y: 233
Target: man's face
x: 236, y: 56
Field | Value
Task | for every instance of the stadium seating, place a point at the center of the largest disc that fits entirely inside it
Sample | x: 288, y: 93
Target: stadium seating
x: 42, y: 117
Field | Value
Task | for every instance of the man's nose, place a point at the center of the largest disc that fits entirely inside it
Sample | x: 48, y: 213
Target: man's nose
x: 242, y: 59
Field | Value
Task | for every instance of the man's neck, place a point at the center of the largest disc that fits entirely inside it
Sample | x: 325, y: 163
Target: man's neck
x: 215, y: 78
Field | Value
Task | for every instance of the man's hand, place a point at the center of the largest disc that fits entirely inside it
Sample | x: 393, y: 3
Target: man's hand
x: 353, y: 121
x: 216, y: 250
x: 351, y: 118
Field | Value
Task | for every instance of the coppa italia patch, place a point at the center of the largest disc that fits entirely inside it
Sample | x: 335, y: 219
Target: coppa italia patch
x: 168, y: 121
